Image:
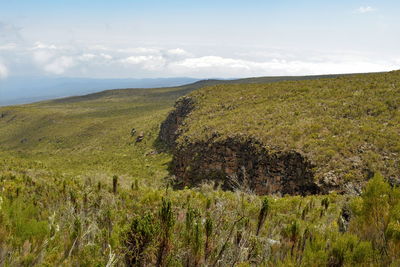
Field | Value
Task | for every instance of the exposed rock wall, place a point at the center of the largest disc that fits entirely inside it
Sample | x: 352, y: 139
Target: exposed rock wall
x: 169, y: 129
x: 246, y: 165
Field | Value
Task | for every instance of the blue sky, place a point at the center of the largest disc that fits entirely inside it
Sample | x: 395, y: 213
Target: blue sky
x: 148, y: 38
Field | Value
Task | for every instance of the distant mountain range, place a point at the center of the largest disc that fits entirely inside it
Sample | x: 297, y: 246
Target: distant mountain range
x: 20, y: 90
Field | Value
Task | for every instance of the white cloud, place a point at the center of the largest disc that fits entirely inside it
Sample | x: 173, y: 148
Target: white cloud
x: 365, y: 9
x: 214, y: 61
x: 145, y: 62
x: 59, y: 65
x: 40, y: 45
x: 42, y: 56
x: 138, y: 50
x: 89, y: 57
x: 106, y: 56
x: 3, y: 71
x: 98, y: 47
x: 122, y: 62
x: 215, y: 66
x: 178, y: 52
x: 149, y: 62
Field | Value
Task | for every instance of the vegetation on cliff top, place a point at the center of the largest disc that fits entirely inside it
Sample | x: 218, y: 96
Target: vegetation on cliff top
x: 347, y: 125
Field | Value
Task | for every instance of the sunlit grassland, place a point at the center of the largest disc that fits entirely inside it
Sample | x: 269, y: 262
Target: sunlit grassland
x: 80, y: 137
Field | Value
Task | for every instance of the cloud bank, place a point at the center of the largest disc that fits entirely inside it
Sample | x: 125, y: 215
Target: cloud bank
x: 239, y: 67
x: 99, y: 61
x: 20, y: 57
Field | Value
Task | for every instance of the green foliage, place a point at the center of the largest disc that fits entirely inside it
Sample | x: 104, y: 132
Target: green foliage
x: 142, y: 226
x: 166, y: 215
x: 393, y: 228
x: 22, y: 218
x: 138, y: 238
x: 377, y: 216
x: 347, y: 249
x: 167, y: 221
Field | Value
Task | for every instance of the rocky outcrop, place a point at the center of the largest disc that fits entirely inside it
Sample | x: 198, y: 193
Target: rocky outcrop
x: 240, y: 162
x: 140, y: 137
x: 169, y: 129
x: 244, y: 164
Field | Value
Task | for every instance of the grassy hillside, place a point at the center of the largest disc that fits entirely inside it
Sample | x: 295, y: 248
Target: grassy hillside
x: 91, y: 133
x: 348, y: 126
x: 77, y: 190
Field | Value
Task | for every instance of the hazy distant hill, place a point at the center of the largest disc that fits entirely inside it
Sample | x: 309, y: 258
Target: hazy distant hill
x: 20, y: 90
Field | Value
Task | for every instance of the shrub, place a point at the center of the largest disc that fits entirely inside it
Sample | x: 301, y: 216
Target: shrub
x: 138, y: 238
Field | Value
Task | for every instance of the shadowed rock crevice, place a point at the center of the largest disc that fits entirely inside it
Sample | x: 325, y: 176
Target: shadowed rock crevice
x: 169, y: 129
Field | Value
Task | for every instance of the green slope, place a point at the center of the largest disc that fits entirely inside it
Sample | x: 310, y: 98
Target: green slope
x: 91, y: 133
x: 348, y: 126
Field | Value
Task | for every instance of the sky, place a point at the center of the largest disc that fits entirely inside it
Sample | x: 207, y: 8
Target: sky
x: 200, y: 39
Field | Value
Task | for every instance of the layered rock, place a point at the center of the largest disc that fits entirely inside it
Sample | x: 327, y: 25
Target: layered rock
x: 244, y: 164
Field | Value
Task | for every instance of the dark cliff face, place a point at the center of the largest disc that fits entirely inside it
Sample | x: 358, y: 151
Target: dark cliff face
x: 245, y: 165
x: 237, y: 162
x: 169, y: 129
